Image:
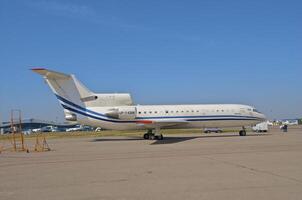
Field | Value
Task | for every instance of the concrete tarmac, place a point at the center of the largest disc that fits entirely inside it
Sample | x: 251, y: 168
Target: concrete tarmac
x: 206, y: 166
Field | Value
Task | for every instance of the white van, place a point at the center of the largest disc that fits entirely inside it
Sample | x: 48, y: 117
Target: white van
x: 261, y: 127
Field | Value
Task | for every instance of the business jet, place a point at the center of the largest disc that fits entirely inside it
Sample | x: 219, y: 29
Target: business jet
x: 116, y: 111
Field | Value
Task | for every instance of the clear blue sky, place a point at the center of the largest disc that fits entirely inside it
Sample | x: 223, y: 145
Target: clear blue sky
x: 161, y: 52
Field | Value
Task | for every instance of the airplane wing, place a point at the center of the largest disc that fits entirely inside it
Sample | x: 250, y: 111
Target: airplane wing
x: 161, y: 123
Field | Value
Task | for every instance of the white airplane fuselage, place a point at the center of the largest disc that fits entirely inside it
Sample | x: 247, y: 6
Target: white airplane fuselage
x: 116, y: 111
x: 188, y: 116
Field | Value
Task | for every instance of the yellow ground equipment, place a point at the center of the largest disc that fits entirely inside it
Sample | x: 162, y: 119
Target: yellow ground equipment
x: 41, y: 144
x: 17, y: 136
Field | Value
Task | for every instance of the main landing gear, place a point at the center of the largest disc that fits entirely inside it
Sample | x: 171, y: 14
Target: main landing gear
x: 242, y: 132
x: 150, y: 135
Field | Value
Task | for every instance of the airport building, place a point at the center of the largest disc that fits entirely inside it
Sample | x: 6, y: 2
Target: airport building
x: 29, y: 124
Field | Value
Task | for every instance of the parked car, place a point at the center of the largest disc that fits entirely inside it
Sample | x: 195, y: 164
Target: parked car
x: 58, y: 129
x: 212, y: 130
x: 76, y: 128
x: 36, y: 130
x: 47, y: 129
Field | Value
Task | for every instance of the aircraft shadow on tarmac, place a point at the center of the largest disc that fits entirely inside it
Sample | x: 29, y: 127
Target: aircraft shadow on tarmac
x: 170, y: 139
x: 166, y: 140
x: 116, y: 139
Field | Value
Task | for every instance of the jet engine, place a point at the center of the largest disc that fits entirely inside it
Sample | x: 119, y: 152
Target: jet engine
x: 123, y: 113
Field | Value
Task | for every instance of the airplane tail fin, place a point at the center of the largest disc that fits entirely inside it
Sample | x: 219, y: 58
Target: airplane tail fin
x: 67, y: 89
x: 74, y: 96
x: 65, y: 86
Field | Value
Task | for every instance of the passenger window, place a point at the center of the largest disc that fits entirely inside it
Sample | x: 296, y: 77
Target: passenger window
x: 145, y: 112
x: 139, y: 112
x: 167, y: 111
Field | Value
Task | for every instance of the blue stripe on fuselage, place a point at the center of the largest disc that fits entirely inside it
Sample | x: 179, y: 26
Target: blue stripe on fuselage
x: 79, y: 107
x: 95, y: 117
x: 119, y: 121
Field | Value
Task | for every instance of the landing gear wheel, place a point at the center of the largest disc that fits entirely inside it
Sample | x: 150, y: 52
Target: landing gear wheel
x: 153, y: 135
x: 146, y: 136
x: 242, y: 133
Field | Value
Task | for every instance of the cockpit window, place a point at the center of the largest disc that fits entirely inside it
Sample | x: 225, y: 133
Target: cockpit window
x: 255, y: 110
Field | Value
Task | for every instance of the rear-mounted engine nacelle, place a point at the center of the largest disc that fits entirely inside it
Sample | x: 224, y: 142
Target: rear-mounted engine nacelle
x: 123, y: 113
